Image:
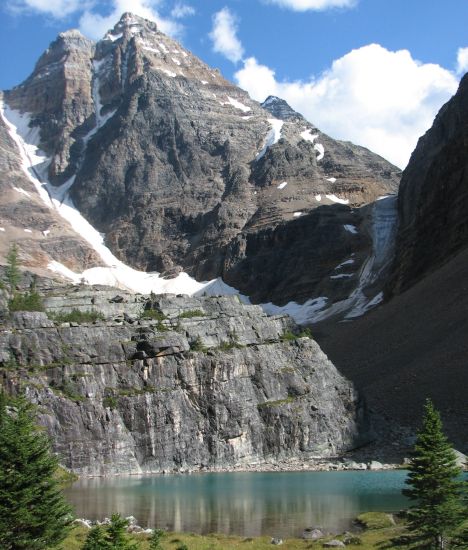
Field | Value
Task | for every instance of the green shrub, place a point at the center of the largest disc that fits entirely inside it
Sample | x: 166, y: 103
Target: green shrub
x: 76, y: 316
x: 68, y: 390
x: 192, y: 313
x: 288, y: 336
x: 153, y: 314
x: 12, y: 272
x: 109, y: 402
x: 29, y: 301
x: 225, y: 346
x: 10, y: 363
x: 197, y: 345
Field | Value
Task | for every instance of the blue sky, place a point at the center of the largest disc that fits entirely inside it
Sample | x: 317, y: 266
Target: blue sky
x: 372, y: 71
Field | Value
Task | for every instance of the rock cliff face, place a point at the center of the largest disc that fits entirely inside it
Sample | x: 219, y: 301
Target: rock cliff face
x: 433, y: 198
x: 211, y: 384
x: 183, y: 171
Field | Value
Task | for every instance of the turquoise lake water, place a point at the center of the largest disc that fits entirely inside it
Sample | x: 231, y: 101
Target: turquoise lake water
x: 246, y: 504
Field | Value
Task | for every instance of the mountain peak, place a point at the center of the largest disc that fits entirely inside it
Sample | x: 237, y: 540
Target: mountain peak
x: 130, y: 24
x: 279, y: 108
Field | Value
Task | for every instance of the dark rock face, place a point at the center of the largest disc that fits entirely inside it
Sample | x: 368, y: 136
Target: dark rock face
x: 129, y: 396
x: 180, y: 168
x: 291, y: 258
x: 433, y: 198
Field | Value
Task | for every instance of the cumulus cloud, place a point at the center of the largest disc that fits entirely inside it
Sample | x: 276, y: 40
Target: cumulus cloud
x: 462, y: 60
x: 95, y: 25
x: 313, y: 5
x: 56, y: 8
x: 179, y: 11
x: 224, y: 35
x: 378, y: 98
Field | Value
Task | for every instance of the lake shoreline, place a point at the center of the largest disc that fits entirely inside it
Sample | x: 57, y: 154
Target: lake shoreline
x: 318, y: 465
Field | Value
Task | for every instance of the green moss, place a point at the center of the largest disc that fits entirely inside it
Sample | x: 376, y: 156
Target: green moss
x: 277, y: 403
x: 76, y: 316
x: 375, y: 520
x: 192, y: 313
x: 65, y: 477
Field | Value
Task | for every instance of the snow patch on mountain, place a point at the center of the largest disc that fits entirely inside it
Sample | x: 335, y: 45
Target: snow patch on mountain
x: 321, y: 151
x: 273, y: 136
x: 301, y: 313
x: 351, y: 229
x: 307, y: 135
x: 334, y: 198
x: 238, y: 105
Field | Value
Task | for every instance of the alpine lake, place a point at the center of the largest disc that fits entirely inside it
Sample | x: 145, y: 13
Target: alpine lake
x: 248, y: 504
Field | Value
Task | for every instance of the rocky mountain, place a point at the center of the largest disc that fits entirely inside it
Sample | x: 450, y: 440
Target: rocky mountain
x: 196, y: 384
x: 182, y: 171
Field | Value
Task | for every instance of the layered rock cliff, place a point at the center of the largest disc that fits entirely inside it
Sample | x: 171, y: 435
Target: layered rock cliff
x: 207, y: 383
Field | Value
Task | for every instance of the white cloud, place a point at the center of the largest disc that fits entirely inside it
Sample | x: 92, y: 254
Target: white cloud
x: 315, y: 5
x: 179, y: 11
x: 95, y: 25
x: 381, y: 99
x: 462, y: 60
x: 224, y: 35
x: 56, y: 8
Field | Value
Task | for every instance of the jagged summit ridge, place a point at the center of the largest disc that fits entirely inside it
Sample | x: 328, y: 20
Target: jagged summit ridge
x: 280, y: 108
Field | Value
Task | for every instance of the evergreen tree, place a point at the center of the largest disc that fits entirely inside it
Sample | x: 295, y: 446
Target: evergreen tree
x: 433, y: 484
x: 33, y: 512
x: 117, y: 533
x: 155, y: 540
x: 113, y: 537
x: 97, y: 539
x: 12, y: 271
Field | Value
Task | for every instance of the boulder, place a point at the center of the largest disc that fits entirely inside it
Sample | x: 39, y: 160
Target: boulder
x: 334, y: 544
x: 312, y: 534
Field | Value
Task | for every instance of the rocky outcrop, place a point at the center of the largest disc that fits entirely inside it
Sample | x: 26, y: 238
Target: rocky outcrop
x: 58, y: 97
x: 433, y: 197
x: 183, y: 171
x: 209, y: 384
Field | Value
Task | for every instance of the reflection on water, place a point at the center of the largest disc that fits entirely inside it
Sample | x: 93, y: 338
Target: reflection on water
x: 247, y: 504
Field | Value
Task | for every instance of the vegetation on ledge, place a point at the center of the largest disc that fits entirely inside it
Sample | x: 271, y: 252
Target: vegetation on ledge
x: 76, y: 316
